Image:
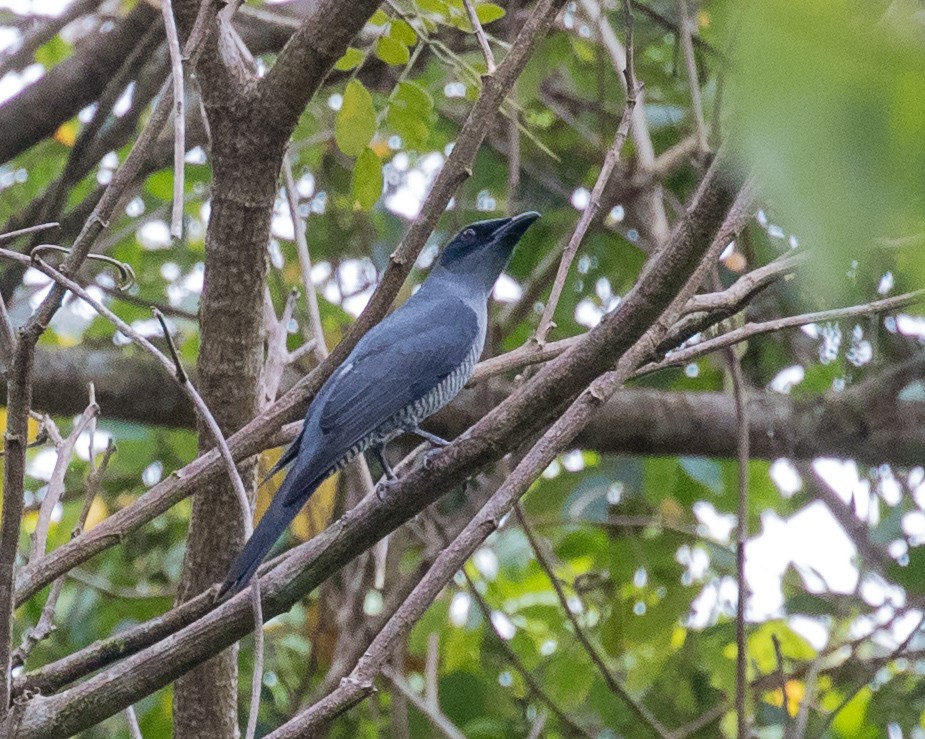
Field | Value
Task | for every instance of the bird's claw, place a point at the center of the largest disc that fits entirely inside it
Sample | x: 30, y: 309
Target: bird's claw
x: 428, y: 457
x: 384, y: 487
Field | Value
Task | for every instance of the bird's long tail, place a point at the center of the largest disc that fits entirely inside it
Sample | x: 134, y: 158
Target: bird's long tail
x: 270, y: 528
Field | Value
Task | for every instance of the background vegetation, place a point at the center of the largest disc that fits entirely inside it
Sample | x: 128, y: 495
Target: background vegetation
x: 606, y: 605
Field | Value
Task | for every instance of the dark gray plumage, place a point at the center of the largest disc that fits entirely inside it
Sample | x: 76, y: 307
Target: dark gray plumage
x: 406, y: 368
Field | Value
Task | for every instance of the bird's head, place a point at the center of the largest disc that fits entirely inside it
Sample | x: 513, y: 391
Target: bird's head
x: 481, y: 250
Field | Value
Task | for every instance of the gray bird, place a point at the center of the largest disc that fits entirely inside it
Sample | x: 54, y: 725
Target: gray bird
x: 405, y: 369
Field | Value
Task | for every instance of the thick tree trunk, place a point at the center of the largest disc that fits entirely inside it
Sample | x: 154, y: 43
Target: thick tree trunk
x: 229, y: 371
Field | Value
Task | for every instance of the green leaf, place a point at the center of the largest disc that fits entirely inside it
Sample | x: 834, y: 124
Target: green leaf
x: 160, y: 184
x: 391, y: 51
x: 849, y: 130
x: 56, y: 50
x: 410, y: 113
x: 414, y: 98
x: 910, y: 575
x: 705, y: 471
x: 356, y: 120
x: 851, y: 719
x: 489, y: 13
x: 403, y: 33
x: 437, y: 7
x: 366, y: 186
x: 379, y: 18
x: 350, y: 60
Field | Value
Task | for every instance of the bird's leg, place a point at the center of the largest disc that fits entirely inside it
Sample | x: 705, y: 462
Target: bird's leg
x: 435, y: 440
x: 432, y: 438
x: 379, y: 451
x: 382, y: 489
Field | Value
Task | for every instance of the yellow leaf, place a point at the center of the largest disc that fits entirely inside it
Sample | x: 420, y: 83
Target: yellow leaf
x: 97, y: 514
x: 319, y: 511
x: 670, y: 510
x: 795, y: 692
x: 316, y: 515
x: 380, y: 147
x: 29, y: 520
x: 66, y: 133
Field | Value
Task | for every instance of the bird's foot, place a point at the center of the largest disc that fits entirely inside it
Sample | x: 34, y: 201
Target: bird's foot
x: 385, y: 487
x: 428, y: 457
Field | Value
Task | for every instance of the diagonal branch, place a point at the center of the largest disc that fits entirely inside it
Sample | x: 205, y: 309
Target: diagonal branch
x: 526, y: 412
x: 610, y: 162
x: 540, y: 551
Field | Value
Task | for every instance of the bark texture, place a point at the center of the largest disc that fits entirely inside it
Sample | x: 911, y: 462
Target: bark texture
x: 250, y: 120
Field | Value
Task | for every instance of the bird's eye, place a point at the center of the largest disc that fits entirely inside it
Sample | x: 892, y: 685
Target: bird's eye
x: 469, y: 234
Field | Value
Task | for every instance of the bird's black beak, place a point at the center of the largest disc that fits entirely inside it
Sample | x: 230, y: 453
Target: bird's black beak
x: 511, y: 230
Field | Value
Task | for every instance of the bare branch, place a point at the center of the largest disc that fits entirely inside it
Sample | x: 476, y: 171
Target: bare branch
x: 687, y: 46
x: 257, y: 674
x: 683, y: 356
x: 305, y: 262
x: 480, y: 35
x: 648, y: 164
x: 539, y: 548
x: 56, y: 483
x: 589, y: 213
x: 433, y: 714
x: 131, y: 719
x: 738, y: 390
x: 179, y: 118
x: 12, y: 235
x: 178, y: 374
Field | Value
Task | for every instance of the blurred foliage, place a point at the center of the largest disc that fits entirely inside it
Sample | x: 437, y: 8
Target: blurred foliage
x: 823, y: 101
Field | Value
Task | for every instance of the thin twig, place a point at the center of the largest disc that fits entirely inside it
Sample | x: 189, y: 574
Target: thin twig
x: 11, y: 235
x: 7, y: 337
x: 431, y: 667
x: 170, y: 366
x: 257, y: 674
x: 433, y: 713
x: 480, y: 35
x: 799, y: 726
x: 736, y: 336
x: 278, y: 356
x: 56, y: 483
x: 305, y: 262
x: 131, y: 719
x: 126, y: 273
x: 43, y: 629
x: 179, y: 118
x: 742, y: 445
x: 589, y: 213
x: 648, y: 167
x: 517, y: 664
x: 536, y: 728
x: 687, y: 47
x: 179, y: 372
x: 93, y: 487
x: 784, y: 700
x: 539, y: 551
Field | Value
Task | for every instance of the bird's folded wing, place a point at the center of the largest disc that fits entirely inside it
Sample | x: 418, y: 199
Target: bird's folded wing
x: 387, y: 374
